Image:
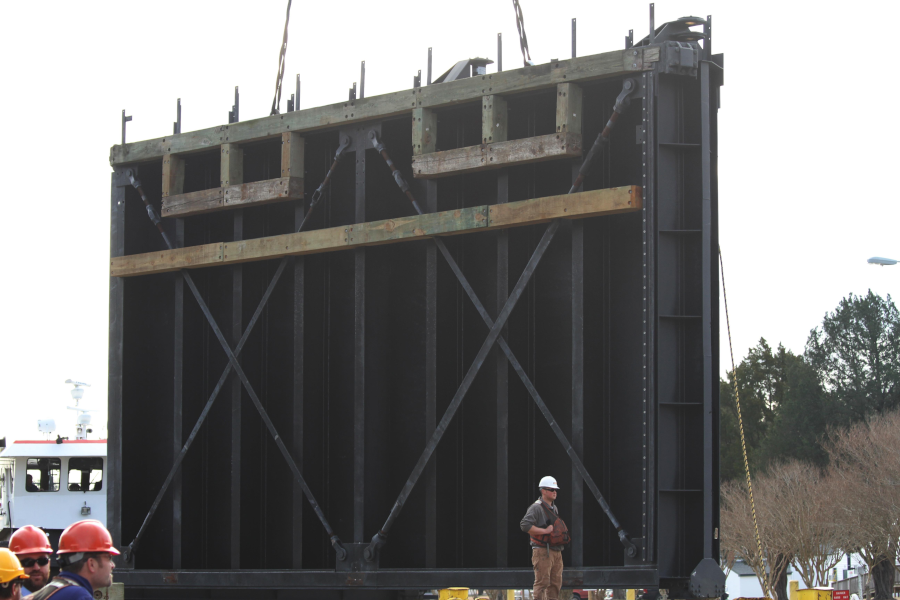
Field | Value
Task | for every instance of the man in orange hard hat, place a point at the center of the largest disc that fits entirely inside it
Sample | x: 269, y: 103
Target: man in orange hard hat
x: 11, y: 576
x: 32, y: 547
x: 86, y: 557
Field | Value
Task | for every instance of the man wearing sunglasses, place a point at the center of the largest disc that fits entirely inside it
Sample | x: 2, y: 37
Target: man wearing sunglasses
x: 32, y: 547
x: 86, y: 557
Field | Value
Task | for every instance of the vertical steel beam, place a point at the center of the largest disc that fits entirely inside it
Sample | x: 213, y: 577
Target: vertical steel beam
x: 430, y: 381
x: 502, y: 431
x: 710, y: 376
x: 573, y: 39
x: 577, y: 557
x: 177, y: 399
x: 116, y: 338
x: 298, y: 416
x: 237, y: 293
x: 125, y: 119
x: 359, y: 351
x: 362, y: 80
x: 648, y: 215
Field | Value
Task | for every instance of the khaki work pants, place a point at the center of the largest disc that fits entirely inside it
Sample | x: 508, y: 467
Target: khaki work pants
x: 547, y: 573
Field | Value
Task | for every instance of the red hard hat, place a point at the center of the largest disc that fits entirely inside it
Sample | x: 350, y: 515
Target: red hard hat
x: 30, y: 540
x: 86, y: 536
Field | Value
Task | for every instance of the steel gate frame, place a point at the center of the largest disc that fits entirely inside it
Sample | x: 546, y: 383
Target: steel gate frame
x: 632, y: 576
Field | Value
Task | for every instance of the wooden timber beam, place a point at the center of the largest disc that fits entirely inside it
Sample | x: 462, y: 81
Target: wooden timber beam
x: 495, y: 155
x: 424, y: 131
x: 568, y: 108
x: 453, y: 222
x: 231, y: 166
x: 234, y: 193
x: 172, y: 175
x: 233, y: 196
x: 471, y: 89
x: 493, y: 119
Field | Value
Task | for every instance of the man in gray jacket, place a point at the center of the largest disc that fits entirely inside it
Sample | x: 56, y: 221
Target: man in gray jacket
x: 546, y: 559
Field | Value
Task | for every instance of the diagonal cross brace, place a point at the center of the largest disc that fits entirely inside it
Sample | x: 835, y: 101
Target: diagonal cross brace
x: 335, y: 541
x: 542, y: 406
x: 380, y: 538
x: 209, y: 403
x: 622, y: 102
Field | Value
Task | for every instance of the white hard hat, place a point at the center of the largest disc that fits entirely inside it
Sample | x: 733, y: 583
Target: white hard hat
x: 548, y: 482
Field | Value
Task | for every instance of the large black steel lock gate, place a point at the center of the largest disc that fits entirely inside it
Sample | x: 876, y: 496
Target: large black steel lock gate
x: 357, y: 354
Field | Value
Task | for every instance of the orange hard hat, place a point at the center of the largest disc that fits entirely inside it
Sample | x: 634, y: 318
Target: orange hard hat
x: 30, y: 540
x: 86, y: 536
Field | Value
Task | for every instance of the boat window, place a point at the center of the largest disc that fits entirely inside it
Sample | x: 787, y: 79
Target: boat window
x: 42, y: 475
x: 85, y: 474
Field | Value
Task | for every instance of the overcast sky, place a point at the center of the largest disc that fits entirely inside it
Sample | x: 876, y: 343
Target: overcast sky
x: 807, y: 141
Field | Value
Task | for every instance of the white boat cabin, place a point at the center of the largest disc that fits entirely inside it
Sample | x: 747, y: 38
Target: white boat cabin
x: 52, y: 484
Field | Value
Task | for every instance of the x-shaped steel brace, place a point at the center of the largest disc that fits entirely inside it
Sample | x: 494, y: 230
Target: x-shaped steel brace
x: 380, y: 538
x: 233, y: 364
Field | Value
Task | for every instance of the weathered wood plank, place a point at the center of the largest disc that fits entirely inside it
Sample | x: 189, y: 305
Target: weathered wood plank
x: 173, y: 175
x: 306, y: 242
x: 493, y: 119
x: 568, y: 108
x: 471, y: 89
x: 424, y: 131
x: 232, y: 165
x: 585, y: 68
x: 449, y: 222
x: 499, y: 216
x: 166, y: 260
x: 500, y: 154
x: 293, y: 149
x: 264, y: 192
x: 233, y: 196
x: 193, y: 203
x: 311, y: 119
x: 567, y: 206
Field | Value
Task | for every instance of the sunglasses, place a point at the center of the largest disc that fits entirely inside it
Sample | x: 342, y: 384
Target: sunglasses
x: 27, y: 563
x: 550, y: 489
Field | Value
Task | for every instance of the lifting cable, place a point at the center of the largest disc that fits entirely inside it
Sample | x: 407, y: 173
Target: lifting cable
x: 277, y: 100
x: 737, y: 401
x: 523, y: 39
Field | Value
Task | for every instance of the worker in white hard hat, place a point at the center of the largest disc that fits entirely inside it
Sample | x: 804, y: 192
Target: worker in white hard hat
x: 549, y: 536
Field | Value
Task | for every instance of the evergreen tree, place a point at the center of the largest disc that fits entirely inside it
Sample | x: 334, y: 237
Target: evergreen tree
x: 761, y: 380
x: 802, y: 418
x: 856, y: 353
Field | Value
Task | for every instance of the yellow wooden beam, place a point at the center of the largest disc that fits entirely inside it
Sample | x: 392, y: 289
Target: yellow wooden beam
x: 452, y: 222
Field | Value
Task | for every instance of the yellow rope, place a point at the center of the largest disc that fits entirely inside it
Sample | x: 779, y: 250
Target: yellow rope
x: 737, y: 400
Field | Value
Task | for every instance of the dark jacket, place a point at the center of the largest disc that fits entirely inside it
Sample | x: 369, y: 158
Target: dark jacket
x: 536, y: 516
x: 81, y: 591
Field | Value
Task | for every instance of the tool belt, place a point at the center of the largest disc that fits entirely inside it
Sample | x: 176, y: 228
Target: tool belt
x: 56, y: 584
x: 559, y: 536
